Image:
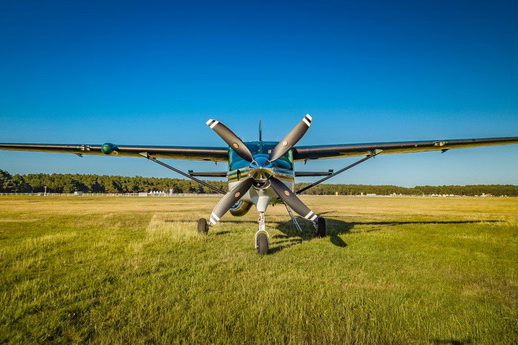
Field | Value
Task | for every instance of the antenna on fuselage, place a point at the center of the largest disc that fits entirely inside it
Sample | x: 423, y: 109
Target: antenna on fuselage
x: 260, y: 131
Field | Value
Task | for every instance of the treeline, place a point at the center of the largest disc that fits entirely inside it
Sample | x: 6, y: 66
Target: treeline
x: 70, y: 183
x: 470, y: 190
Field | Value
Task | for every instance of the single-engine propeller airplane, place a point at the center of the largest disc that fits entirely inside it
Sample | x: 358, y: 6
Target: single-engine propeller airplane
x: 261, y: 172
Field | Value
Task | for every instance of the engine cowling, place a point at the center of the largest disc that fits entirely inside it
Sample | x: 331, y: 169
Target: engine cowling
x: 240, y: 208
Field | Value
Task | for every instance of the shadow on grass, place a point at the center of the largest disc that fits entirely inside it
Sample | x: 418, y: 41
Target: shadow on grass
x: 291, y: 236
x: 429, y: 222
x: 220, y: 233
x: 451, y: 341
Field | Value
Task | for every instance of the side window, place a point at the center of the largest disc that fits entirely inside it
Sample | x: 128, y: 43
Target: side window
x: 234, y: 161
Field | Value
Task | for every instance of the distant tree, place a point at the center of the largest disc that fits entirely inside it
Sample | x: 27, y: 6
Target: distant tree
x: 6, y: 182
x: 19, y: 185
x: 13, y: 184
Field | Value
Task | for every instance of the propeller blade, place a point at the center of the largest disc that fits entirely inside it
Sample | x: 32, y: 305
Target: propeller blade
x: 291, y: 139
x: 230, y: 199
x: 291, y: 199
x: 231, y: 139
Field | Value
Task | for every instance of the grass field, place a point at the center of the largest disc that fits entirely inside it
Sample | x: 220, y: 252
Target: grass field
x: 120, y: 270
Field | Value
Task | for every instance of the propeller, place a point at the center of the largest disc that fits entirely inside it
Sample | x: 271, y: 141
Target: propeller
x: 231, y: 139
x: 229, y: 199
x: 261, y: 173
x: 291, y: 139
x: 291, y: 199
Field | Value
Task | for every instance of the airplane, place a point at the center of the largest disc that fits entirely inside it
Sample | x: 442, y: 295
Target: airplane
x: 261, y: 172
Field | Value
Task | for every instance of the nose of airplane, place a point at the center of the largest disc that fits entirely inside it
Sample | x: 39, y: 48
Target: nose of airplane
x: 260, y: 162
x: 261, y: 174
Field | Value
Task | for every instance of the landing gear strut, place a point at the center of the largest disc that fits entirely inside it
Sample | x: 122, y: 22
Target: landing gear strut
x: 262, y: 238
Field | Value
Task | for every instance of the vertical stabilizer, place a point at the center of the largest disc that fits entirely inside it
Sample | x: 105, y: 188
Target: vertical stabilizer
x: 260, y: 131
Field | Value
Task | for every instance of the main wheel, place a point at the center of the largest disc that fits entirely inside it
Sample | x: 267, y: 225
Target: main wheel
x: 262, y: 244
x: 321, y: 227
x: 203, y: 228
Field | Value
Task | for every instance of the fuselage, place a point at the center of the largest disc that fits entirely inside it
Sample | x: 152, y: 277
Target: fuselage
x: 261, y: 194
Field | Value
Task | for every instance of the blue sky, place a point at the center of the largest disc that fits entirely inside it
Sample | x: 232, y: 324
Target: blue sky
x: 153, y: 72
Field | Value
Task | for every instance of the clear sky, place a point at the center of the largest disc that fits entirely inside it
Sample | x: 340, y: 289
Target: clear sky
x: 152, y: 72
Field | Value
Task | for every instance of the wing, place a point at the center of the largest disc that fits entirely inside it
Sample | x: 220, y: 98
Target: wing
x: 351, y: 150
x: 174, y: 152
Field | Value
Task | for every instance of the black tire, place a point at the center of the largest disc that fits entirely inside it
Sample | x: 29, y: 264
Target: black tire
x: 321, y: 227
x: 262, y: 244
x: 203, y: 228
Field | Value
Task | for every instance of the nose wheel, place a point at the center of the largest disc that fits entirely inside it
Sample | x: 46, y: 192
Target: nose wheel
x: 261, y: 243
x: 262, y: 238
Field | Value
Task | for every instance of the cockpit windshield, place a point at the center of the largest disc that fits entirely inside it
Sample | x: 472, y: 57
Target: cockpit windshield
x: 262, y: 148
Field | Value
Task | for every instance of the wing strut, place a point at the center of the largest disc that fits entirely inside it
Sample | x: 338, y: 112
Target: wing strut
x: 372, y: 155
x: 203, y: 183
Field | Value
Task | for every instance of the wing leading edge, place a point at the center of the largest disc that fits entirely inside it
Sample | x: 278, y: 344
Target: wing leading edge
x: 220, y: 154
x: 173, y: 152
x: 353, y: 150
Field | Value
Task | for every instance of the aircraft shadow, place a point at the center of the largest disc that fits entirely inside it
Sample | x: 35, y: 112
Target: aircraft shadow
x: 291, y: 236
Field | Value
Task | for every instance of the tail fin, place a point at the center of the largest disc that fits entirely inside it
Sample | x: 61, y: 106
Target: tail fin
x: 260, y: 131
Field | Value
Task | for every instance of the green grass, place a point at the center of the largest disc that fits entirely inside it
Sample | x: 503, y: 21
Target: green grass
x: 118, y: 270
